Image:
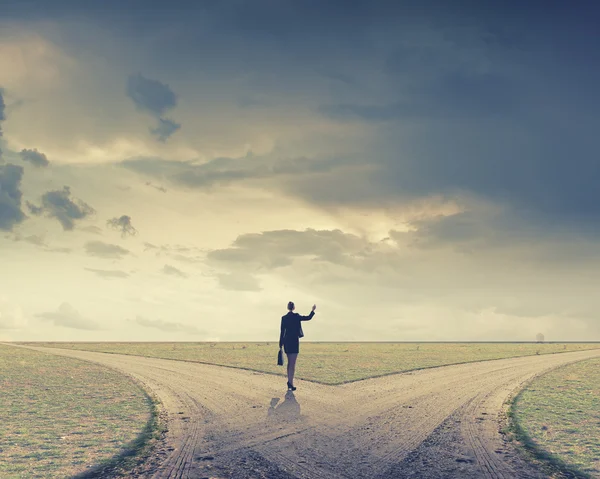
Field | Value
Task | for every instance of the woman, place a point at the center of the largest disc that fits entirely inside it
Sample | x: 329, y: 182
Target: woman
x: 289, y: 339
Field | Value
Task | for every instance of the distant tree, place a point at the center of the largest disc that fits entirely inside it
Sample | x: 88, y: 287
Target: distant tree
x: 539, y: 337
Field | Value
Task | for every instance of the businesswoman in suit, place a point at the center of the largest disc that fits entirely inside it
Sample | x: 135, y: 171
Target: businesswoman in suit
x: 289, y: 338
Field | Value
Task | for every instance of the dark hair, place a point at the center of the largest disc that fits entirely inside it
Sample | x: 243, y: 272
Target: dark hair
x: 291, y: 305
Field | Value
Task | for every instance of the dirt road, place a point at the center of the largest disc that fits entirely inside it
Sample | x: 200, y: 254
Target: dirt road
x: 436, y: 423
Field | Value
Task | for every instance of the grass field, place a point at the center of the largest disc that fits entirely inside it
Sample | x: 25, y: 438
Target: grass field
x: 60, y: 416
x: 557, y: 417
x: 332, y: 363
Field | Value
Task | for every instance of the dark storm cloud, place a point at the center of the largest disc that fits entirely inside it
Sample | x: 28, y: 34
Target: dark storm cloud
x: 105, y: 250
x: 552, y: 173
x: 68, y: 317
x: 453, y: 97
x: 495, y: 100
x: 465, y: 230
x: 476, y: 105
x: 10, y: 196
x: 34, y: 157
x: 122, y: 224
x: 59, y: 204
x: 490, y: 232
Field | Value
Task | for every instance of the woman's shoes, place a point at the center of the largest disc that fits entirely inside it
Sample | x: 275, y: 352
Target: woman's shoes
x: 291, y: 387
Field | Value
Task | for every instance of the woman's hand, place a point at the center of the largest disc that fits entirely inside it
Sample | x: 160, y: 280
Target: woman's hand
x: 314, y: 307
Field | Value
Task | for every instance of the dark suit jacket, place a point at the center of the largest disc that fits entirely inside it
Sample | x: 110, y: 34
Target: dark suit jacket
x: 291, y: 327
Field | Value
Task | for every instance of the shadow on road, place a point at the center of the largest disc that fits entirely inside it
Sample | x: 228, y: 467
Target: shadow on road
x: 288, y: 410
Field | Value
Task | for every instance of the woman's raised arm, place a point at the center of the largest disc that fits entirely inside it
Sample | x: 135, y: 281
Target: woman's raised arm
x: 310, y: 316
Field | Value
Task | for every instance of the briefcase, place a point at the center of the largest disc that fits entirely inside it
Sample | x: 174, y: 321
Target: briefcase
x: 280, y: 358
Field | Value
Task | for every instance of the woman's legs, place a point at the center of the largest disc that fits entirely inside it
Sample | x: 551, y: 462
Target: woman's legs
x: 291, y: 367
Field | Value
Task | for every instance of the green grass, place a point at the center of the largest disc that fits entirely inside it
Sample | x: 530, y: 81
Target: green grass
x: 61, y: 417
x: 332, y: 363
x: 557, y: 419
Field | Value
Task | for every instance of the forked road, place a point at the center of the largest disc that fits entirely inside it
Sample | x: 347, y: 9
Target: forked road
x: 229, y: 423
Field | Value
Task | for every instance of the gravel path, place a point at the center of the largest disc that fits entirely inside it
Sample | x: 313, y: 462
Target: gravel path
x: 433, y: 423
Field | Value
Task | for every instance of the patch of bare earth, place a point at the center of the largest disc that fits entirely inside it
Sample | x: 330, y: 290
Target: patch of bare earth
x: 227, y: 423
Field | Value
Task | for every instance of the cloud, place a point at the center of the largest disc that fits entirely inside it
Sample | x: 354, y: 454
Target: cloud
x: 277, y: 249
x: 33, y: 209
x: 450, y: 138
x: 123, y: 224
x: 36, y: 240
x: 453, y: 262
x: 2, y: 118
x: 109, y: 273
x: 2, y: 106
x: 39, y: 241
x: 58, y: 204
x: 34, y: 157
x: 68, y: 317
x: 10, y: 196
x: 224, y: 171
x: 164, y: 129
x: 156, y: 98
x: 172, y: 271
x: 149, y: 95
x: 167, y: 326
x: 159, y: 188
x: 436, y: 99
x: 105, y: 250
x: 436, y: 104
x: 440, y: 92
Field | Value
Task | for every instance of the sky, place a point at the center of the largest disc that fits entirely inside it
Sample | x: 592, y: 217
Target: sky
x: 179, y: 171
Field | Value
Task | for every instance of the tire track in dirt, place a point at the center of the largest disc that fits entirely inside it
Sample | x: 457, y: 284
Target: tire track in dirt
x: 469, y: 443
x: 441, y: 422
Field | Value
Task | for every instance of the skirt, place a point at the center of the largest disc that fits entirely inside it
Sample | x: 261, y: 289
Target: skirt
x: 291, y: 345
